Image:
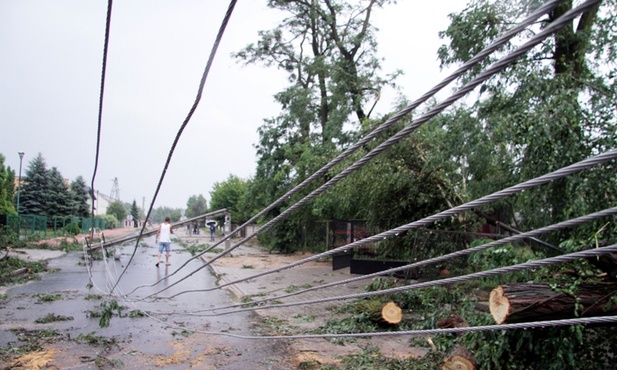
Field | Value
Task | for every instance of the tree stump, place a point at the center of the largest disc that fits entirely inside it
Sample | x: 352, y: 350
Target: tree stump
x: 392, y: 313
x: 460, y: 358
x: 524, y: 302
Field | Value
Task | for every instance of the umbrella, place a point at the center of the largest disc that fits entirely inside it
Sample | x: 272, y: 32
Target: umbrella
x: 210, y: 222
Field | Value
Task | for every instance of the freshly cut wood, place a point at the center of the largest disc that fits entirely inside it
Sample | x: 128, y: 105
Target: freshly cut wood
x: 459, y: 359
x: 523, y: 302
x: 389, y: 313
x: 392, y: 313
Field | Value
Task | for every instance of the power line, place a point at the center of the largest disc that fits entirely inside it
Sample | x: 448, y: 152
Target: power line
x: 585, y: 164
x: 496, y: 68
x: 202, y: 83
x: 461, y: 253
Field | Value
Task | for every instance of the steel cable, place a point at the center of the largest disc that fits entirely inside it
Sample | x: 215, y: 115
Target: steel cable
x: 446, y: 281
x: 494, y: 69
x: 461, y: 253
x: 587, y: 163
x: 500, y: 41
x: 202, y: 83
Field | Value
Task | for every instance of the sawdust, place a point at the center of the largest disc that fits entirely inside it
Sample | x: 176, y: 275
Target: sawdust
x: 35, y: 360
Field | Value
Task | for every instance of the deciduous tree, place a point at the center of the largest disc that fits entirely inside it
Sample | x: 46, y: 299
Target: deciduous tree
x: 7, y: 189
x: 195, y: 206
x: 552, y: 108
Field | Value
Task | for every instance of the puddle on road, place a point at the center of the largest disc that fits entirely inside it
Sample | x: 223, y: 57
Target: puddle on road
x: 169, y: 338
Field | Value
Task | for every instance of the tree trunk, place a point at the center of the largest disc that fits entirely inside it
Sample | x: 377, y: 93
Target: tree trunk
x: 389, y: 313
x: 459, y: 359
x: 534, y: 302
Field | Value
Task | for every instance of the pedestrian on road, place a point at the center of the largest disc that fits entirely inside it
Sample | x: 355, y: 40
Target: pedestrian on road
x: 196, y: 228
x: 212, y: 228
x: 163, y: 238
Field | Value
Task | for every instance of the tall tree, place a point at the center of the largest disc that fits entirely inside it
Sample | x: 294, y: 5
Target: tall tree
x: 327, y: 47
x: 553, y: 107
x: 135, y: 213
x: 35, y: 188
x: 58, y: 197
x: 79, y: 198
x: 195, y: 206
x: 158, y: 214
x: 231, y: 195
x: 7, y: 189
x: 117, y: 209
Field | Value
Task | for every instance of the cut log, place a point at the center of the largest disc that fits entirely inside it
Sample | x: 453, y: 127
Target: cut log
x: 392, y: 313
x: 459, y: 359
x: 389, y: 314
x: 524, y: 302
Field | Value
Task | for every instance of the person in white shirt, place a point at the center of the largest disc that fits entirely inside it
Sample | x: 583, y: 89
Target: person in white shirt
x: 163, y: 238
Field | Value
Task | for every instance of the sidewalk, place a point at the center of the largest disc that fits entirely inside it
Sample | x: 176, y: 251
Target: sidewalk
x: 246, y: 261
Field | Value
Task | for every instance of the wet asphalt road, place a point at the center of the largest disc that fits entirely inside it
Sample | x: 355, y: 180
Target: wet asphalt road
x: 170, y: 337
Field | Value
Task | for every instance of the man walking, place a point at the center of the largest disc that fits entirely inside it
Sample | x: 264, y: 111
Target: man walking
x: 163, y: 238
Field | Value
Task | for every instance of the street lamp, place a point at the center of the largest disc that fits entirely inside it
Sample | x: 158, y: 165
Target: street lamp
x: 21, y: 156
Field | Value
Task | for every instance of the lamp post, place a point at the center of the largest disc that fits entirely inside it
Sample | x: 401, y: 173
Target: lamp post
x: 21, y: 156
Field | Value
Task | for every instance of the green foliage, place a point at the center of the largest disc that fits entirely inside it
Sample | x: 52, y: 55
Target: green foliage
x: 28, y: 341
x: 158, y: 214
x: 79, y: 198
x: 10, y: 264
x: 7, y: 189
x: 72, y: 228
x: 110, y: 220
x: 183, y: 333
x: 370, y: 358
x: 195, y: 249
x: 137, y: 313
x: 553, y: 107
x: 134, y: 213
x: 571, y: 347
x: 33, y: 196
x: 96, y: 340
x: 502, y: 256
x: 9, y: 238
x: 107, y: 310
x: 52, y: 317
x: 196, y: 206
x: 46, y: 297
x: 118, y: 210
x: 90, y: 297
x: 232, y: 194
x: 59, y: 200
x: 318, y: 45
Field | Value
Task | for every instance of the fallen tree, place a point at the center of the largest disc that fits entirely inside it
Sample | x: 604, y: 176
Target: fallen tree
x: 522, y: 302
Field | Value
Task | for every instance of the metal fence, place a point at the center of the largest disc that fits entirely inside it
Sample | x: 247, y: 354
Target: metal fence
x: 28, y: 225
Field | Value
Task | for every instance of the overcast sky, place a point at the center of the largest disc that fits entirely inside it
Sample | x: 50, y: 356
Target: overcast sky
x: 50, y: 68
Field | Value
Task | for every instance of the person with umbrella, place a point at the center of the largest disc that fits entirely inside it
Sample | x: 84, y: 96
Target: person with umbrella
x: 212, y: 229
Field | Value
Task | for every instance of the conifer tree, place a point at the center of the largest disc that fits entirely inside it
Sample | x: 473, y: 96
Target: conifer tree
x: 135, y: 213
x: 35, y: 186
x: 79, y: 198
